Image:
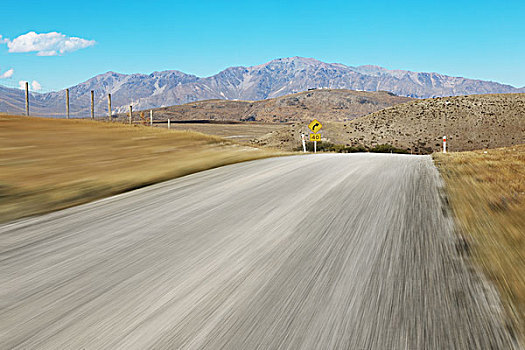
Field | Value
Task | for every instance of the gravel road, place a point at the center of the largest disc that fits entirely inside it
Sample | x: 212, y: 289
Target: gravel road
x: 306, y: 252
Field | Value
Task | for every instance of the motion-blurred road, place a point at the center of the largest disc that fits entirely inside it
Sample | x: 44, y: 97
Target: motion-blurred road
x: 304, y: 252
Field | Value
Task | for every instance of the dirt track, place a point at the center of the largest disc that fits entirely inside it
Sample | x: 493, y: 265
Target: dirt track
x: 316, y: 252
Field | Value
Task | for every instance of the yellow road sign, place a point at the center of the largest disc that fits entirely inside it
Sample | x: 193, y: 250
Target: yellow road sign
x: 315, y: 126
x: 315, y: 137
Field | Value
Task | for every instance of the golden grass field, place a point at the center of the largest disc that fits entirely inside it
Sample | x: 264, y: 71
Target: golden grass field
x: 243, y: 132
x: 487, y: 195
x: 49, y: 164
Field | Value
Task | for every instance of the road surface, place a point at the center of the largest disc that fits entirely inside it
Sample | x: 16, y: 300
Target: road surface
x: 305, y: 252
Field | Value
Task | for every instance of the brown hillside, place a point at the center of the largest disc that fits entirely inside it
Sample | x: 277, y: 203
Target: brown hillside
x: 469, y: 122
x: 326, y: 104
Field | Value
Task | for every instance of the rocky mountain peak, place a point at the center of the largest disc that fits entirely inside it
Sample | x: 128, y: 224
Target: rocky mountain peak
x: 275, y: 78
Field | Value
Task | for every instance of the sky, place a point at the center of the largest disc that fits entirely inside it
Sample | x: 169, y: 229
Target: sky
x: 56, y: 44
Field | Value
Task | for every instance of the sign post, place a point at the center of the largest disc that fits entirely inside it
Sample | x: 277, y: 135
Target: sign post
x: 315, y: 126
x: 304, y: 142
x: 444, y: 144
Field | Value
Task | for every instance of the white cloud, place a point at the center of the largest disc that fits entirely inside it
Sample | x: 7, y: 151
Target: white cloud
x: 47, y: 53
x: 46, y: 44
x: 35, y: 85
x: 3, y: 40
x: 7, y: 74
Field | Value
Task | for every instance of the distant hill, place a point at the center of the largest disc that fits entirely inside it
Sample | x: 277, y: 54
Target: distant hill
x: 469, y: 122
x: 329, y: 105
x: 276, y: 78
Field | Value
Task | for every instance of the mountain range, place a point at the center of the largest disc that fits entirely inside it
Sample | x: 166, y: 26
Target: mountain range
x: 276, y: 78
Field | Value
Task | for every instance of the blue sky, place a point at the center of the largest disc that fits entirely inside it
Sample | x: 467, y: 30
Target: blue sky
x: 474, y: 39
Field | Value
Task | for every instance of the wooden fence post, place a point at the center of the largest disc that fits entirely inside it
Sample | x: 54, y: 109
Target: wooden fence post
x: 27, y: 98
x: 92, y: 105
x: 109, y: 106
x: 67, y: 103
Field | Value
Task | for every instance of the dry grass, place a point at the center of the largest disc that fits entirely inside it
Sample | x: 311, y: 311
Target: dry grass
x: 49, y: 164
x: 487, y: 195
x: 244, y: 132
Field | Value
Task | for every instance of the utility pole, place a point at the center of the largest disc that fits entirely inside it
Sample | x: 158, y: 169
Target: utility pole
x: 130, y: 114
x: 67, y: 103
x: 27, y: 98
x: 92, y: 104
x: 109, y: 106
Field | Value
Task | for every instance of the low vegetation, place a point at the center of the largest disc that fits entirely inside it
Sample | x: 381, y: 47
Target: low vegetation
x: 469, y: 122
x: 486, y: 190
x: 49, y: 164
x: 324, y: 146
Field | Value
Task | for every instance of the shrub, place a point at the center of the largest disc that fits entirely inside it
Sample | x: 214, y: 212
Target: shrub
x: 386, y: 148
x: 323, y: 146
